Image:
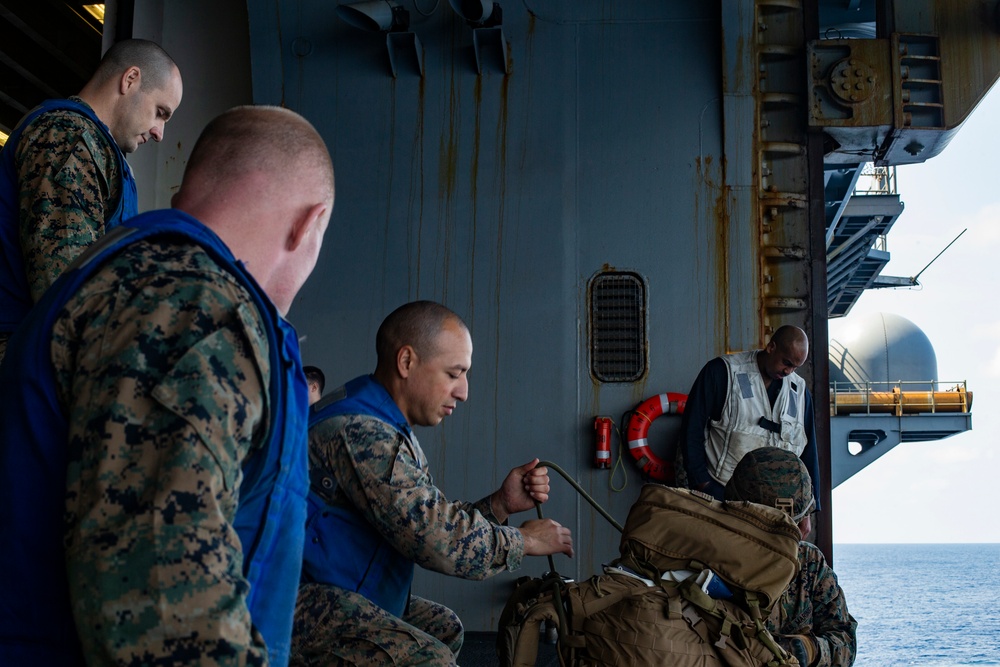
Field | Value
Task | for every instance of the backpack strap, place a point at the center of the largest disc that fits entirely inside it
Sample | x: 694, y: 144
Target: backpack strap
x: 763, y: 635
x: 731, y: 634
x: 521, y: 619
x: 701, y: 600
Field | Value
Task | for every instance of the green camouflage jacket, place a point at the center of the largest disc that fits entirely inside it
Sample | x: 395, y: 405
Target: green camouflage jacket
x: 813, y: 605
x: 161, y: 366
x: 385, y: 477
x: 69, y: 183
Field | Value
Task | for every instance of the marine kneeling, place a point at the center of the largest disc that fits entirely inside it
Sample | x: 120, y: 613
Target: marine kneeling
x: 374, y: 511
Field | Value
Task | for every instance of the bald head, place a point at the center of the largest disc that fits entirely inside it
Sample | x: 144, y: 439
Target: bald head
x: 785, y: 352
x: 789, y: 336
x: 416, y: 324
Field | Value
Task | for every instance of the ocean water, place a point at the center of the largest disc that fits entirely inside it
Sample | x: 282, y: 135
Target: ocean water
x: 934, y: 605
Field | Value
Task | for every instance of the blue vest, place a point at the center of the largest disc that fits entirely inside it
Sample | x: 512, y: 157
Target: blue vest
x: 15, y: 297
x: 36, y: 623
x: 342, y: 548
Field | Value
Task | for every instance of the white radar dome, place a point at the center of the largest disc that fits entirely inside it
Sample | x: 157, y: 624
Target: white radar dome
x: 881, y: 348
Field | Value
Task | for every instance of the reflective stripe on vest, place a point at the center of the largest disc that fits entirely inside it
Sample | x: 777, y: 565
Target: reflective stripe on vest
x: 739, y: 431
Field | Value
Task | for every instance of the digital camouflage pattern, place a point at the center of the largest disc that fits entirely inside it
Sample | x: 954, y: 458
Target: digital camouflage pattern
x: 69, y: 184
x: 161, y: 366
x: 385, y: 476
x: 813, y: 609
x: 773, y: 477
x: 338, y: 627
x: 811, y: 620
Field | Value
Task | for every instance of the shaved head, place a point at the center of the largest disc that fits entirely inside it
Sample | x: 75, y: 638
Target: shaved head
x: 789, y: 337
x: 154, y: 63
x: 416, y: 324
x: 266, y: 140
x: 261, y: 178
x: 785, y: 352
x: 424, y: 356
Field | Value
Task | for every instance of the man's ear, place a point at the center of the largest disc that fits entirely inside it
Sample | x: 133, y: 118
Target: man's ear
x: 405, y: 360
x: 303, y: 225
x: 130, y: 77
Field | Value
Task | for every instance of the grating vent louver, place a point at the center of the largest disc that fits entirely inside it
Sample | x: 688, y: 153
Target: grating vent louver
x: 617, y: 327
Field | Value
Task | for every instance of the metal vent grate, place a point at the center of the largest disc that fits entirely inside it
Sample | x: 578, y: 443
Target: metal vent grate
x: 617, y: 327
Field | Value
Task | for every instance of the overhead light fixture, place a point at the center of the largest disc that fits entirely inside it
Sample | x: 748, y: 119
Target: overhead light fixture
x: 375, y: 15
x: 97, y: 11
x: 478, y: 13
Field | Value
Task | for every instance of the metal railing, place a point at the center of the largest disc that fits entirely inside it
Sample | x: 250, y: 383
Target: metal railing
x: 899, y: 398
x: 876, y: 181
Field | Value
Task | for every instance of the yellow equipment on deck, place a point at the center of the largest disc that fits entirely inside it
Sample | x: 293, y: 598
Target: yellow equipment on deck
x: 897, y: 398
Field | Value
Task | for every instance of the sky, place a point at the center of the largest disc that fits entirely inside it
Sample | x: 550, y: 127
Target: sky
x: 947, y: 490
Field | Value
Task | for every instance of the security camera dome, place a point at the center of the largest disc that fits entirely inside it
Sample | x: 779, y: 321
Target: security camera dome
x: 880, y: 348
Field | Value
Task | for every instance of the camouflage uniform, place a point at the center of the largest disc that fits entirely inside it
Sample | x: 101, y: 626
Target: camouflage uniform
x: 813, y: 606
x: 385, y: 477
x: 811, y: 620
x: 161, y: 365
x: 69, y: 182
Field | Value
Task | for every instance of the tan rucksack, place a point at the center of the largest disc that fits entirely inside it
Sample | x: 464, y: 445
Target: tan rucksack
x: 650, y: 606
x: 753, y: 548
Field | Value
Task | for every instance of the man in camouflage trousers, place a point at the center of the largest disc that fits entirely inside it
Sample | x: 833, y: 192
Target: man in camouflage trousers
x: 64, y: 180
x: 811, y: 620
x: 374, y: 511
x: 153, y: 416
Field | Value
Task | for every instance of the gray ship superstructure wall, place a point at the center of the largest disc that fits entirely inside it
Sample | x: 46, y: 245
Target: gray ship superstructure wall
x: 502, y: 195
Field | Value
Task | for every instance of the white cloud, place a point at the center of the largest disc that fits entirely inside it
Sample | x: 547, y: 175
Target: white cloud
x: 952, y: 454
x: 986, y: 224
x: 989, y: 330
x: 993, y: 367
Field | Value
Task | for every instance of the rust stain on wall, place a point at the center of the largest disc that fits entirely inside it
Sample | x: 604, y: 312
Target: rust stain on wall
x: 723, y: 229
x: 474, y: 192
x: 501, y: 152
x: 387, y: 226
x: 710, y: 205
x: 416, y: 195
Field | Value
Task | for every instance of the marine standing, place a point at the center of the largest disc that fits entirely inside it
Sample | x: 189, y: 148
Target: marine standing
x: 153, y: 420
x: 64, y: 179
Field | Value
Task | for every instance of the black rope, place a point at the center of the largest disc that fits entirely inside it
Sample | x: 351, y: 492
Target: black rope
x: 555, y: 578
x: 579, y: 489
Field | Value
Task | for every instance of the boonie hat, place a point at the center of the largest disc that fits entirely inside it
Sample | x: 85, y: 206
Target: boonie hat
x: 773, y: 477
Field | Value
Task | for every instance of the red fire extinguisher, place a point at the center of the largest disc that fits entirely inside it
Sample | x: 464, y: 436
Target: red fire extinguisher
x: 602, y: 455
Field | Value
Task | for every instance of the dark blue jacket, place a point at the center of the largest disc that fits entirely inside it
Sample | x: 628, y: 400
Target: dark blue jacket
x: 36, y: 623
x: 15, y: 296
x: 342, y: 548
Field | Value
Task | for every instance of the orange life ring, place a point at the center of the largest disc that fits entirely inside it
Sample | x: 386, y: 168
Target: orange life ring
x: 638, y: 425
